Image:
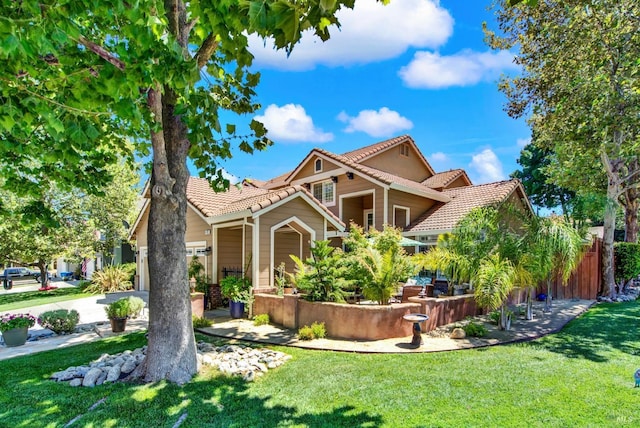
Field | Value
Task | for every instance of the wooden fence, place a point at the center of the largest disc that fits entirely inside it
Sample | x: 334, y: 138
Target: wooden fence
x: 585, y: 282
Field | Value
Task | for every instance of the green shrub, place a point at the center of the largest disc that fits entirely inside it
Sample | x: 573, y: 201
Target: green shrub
x: 319, y: 331
x: 475, y: 330
x: 315, y: 331
x: 627, y: 261
x: 201, y: 322
x: 109, y: 280
x: 119, y: 309
x: 305, y: 333
x: 261, y: 319
x: 60, y: 321
x: 136, y: 304
x: 494, y: 316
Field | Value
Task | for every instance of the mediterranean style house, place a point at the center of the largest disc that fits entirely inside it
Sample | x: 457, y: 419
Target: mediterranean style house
x: 257, y: 225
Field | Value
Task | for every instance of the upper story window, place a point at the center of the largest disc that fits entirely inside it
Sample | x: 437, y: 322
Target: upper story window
x: 318, y: 165
x: 325, y: 192
x: 404, y: 150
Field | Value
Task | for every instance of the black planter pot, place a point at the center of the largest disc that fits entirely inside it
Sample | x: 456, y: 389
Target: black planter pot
x: 118, y: 324
x: 236, y: 309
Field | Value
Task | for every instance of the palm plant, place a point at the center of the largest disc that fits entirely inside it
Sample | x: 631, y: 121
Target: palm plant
x: 384, y: 270
x: 322, y: 277
x: 556, y: 249
x: 495, y: 279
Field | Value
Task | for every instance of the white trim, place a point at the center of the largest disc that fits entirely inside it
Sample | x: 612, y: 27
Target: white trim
x: 430, y: 195
x: 323, y: 176
x: 144, y: 254
x: 365, y: 214
x: 308, y: 200
x: 255, y: 256
x: 324, y: 231
x: 315, y: 165
x: 276, y: 226
x: 214, y: 256
x: 229, y: 224
x: 385, y: 204
x: 239, y: 215
x: 195, y: 244
x: 355, y: 195
x: 407, y: 215
x: 322, y: 183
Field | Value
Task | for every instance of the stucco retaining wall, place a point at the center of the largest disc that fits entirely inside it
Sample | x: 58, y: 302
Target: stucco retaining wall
x: 446, y: 310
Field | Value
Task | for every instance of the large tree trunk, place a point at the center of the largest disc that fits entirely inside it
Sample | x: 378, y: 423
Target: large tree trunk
x: 171, y: 352
x: 613, y: 191
x: 631, y: 206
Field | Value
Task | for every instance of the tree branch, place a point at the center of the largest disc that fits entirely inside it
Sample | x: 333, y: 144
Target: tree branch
x: 102, y: 52
x: 206, y: 50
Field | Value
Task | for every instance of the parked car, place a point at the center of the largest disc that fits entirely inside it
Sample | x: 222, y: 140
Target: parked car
x: 21, y: 273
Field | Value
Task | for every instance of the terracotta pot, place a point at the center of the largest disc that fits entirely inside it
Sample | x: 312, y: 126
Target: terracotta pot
x: 118, y: 324
x: 15, y: 336
x: 288, y: 290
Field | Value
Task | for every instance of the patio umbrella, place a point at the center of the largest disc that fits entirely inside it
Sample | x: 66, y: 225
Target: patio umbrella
x: 408, y: 242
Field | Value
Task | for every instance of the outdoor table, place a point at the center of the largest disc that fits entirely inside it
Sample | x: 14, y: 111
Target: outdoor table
x: 416, y: 319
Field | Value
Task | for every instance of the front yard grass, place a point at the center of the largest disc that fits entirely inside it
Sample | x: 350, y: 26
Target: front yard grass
x: 28, y: 299
x: 582, y: 376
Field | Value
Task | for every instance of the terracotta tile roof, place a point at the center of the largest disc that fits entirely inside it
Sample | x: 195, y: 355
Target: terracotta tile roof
x: 443, y: 179
x: 203, y: 197
x: 463, y: 199
x: 385, y: 177
x: 277, y: 182
x: 247, y: 197
x: 364, y: 152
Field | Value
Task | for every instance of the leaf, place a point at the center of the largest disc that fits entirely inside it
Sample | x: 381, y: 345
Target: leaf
x: 231, y: 128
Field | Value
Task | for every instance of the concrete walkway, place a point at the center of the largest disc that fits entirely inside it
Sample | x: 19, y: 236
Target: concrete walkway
x: 94, y: 321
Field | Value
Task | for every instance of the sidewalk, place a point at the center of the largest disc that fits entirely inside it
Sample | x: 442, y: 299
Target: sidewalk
x: 94, y: 320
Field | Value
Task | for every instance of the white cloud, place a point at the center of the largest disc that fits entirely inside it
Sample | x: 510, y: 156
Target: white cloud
x: 291, y: 123
x: 381, y: 123
x: 369, y: 32
x: 438, y: 157
x: 522, y: 142
x: 233, y: 179
x: 487, y: 167
x: 434, y: 71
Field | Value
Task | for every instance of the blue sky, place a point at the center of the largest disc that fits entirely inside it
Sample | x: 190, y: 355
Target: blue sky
x: 416, y: 67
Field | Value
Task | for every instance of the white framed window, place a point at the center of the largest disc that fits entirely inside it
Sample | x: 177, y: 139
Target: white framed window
x: 404, y: 150
x: 201, y: 251
x: 318, y: 165
x: 368, y: 220
x: 325, y: 192
x: 189, y: 252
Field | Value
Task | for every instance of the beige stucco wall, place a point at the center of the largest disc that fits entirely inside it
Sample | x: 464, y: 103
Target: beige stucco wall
x: 392, y: 161
x: 417, y: 204
x: 353, y: 206
x: 308, y: 169
x: 229, y: 248
x: 295, y: 207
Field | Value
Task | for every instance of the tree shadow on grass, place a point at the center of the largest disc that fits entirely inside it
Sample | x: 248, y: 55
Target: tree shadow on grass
x: 210, y: 400
x: 594, y: 335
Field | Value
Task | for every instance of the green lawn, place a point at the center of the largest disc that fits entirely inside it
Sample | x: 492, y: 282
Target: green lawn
x: 27, y: 299
x: 581, y: 377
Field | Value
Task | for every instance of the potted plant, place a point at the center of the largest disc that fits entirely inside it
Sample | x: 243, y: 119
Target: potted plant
x: 238, y: 291
x: 118, y: 312
x: 15, y: 328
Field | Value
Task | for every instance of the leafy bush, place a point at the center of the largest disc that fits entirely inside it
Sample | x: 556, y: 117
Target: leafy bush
x: 305, y: 333
x: 494, y: 316
x: 121, y: 308
x: 60, y: 321
x: 136, y: 305
x: 109, y: 280
x: 261, y: 319
x: 322, y: 277
x: 197, y: 272
x: 627, y: 261
x: 201, y: 322
x: 315, y: 331
x: 475, y: 330
x: 319, y: 331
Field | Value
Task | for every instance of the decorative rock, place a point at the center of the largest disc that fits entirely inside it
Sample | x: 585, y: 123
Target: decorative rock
x: 113, y: 374
x: 458, y: 333
x: 91, y: 377
x: 128, y: 366
x: 76, y: 382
